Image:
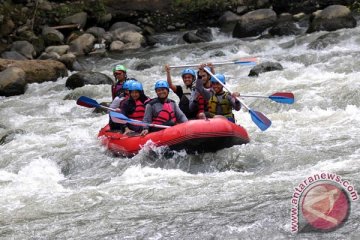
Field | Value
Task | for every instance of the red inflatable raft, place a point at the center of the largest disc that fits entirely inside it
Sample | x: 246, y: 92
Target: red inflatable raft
x: 193, y: 136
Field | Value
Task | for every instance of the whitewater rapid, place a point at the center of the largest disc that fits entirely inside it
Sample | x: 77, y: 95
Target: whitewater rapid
x: 58, y: 182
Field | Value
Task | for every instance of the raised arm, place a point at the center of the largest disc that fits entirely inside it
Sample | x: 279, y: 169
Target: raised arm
x: 168, y: 78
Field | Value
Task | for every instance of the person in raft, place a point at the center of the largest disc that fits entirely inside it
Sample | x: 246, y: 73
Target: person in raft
x: 197, y: 102
x: 117, y: 105
x: 183, y: 92
x: 134, y: 107
x: 161, y: 110
x: 119, y: 72
x: 220, y: 103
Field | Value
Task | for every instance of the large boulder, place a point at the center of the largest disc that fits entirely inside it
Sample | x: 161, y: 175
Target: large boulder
x: 37, y: 71
x: 228, y: 21
x: 78, y: 18
x: 82, y: 45
x: 201, y: 35
x: 124, y: 27
x: 265, y: 67
x: 82, y: 78
x: 12, y: 82
x: 331, y: 18
x: 254, y: 23
x: 24, y: 48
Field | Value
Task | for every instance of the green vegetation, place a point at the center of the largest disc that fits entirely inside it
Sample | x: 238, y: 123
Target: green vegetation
x: 200, y: 5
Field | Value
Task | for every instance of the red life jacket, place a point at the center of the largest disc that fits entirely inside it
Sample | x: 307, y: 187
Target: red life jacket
x: 139, y: 111
x: 165, y: 115
x: 202, y: 104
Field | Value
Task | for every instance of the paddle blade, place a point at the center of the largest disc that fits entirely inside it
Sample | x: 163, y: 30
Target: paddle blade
x: 260, y: 120
x: 87, y: 102
x: 246, y: 61
x: 283, y: 97
x: 120, y: 116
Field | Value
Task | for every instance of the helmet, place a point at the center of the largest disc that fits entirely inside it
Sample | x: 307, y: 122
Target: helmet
x: 188, y: 71
x: 161, y: 84
x: 136, y: 86
x: 119, y: 68
x: 127, y: 84
x: 221, y: 77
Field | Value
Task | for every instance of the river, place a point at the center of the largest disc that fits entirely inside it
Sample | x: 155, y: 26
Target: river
x: 58, y: 182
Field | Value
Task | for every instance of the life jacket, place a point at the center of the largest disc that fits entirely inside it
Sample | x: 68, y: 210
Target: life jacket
x: 226, y: 106
x: 185, y: 101
x: 117, y: 89
x: 202, y: 104
x: 139, y: 111
x: 167, y: 113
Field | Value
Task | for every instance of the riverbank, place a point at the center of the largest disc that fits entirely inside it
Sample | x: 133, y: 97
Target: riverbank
x: 64, y: 31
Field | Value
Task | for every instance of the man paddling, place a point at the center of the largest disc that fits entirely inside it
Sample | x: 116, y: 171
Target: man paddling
x: 162, y: 110
x: 220, y: 103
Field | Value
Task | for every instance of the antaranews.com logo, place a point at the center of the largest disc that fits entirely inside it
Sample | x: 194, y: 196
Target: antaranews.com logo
x: 321, y: 203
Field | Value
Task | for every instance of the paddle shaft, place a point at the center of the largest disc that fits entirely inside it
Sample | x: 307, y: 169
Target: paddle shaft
x: 120, y: 118
x: 241, y: 62
x: 242, y: 103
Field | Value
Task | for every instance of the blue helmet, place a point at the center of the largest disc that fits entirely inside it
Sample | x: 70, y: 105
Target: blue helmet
x: 221, y: 77
x: 136, y: 86
x: 127, y: 84
x: 188, y: 71
x: 161, y: 84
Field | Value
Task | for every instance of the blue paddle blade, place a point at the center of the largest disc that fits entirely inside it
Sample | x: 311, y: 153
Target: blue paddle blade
x: 121, y: 116
x: 245, y: 63
x: 87, y: 102
x: 287, y: 98
x: 260, y: 120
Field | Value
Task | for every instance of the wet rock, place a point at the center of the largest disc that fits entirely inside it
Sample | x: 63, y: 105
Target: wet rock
x: 37, y: 70
x: 82, y: 45
x: 331, y: 18
x: 10, y: 136
x: 228, y: 21
x: 265, y: 67
x: 254, y: 23
x: 324, y: 41
x: 78, y: 18
x: 13, y: 55
x: 87, y: 77
x: 24, y: 48
x: 124, y: 27
x: 12, y: 82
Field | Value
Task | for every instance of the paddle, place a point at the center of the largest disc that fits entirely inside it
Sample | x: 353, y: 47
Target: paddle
x: 279, y: 97
x: 243, y: 61
x: 90, y: 103
x: 115, y: 116
x: 257, y: 117
x: 121, y: 118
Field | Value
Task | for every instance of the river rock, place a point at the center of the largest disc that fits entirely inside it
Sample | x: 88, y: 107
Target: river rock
x: 325, y: 40
x: 52, y: 36
x: 83, y: 44
x: 78, y: 18
x: 13, y: 55
x: 265, y: 67
x: 10, y: 135
x: 228, y: 21
x: 331, y: 18
x: 124, y: 27
x: 87, y: 77
x: 12, y: 82
x: 37, y: 70
x: 254, y: 23
x: 24, y: 48
x: 285, y: 26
